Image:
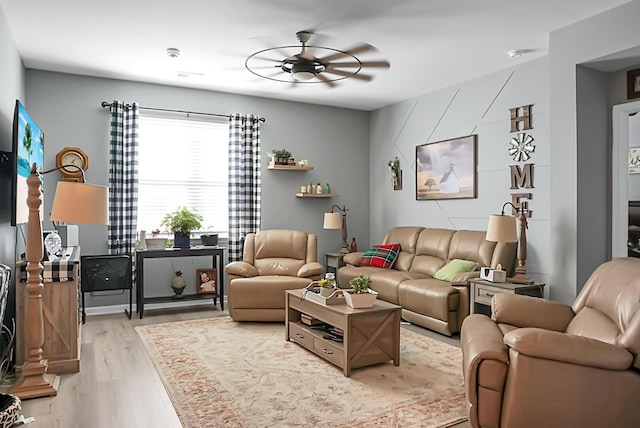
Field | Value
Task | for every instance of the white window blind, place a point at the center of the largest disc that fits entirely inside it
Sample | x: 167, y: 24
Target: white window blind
x: 183, y: 162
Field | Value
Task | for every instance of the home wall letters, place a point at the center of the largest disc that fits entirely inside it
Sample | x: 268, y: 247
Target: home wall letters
x: 521, y: 148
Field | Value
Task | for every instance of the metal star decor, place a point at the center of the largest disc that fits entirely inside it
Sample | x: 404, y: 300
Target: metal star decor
x: 521, y: 147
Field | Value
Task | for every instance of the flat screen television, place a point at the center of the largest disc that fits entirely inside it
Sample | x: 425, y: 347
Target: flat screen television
x: 27, y: 148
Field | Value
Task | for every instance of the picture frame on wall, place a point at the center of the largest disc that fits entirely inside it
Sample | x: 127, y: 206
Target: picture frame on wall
x: 633, y: 83
x: 206, y: 280
x: 447, y: 169
x: 634, y: 160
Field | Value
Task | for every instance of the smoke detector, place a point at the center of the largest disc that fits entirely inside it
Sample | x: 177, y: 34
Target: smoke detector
x: 173, y: 52
x: 517, y: 53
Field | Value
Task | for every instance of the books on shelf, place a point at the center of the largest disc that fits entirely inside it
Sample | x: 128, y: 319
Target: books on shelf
x: 309, y: 320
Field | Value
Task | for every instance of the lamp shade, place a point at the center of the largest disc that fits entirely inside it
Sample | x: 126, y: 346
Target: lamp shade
x: 332, y: 221
x: 80, y: 203
x: 502, y: 228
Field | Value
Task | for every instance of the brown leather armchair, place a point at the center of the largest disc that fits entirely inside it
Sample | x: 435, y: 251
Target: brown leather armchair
x: 539, y: 363
x: 272, y: 261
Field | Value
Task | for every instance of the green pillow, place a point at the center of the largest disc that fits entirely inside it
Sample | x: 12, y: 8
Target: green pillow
x: 454, y: 268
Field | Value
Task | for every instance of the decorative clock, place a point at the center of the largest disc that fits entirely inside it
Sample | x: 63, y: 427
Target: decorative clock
x: 72, y: 156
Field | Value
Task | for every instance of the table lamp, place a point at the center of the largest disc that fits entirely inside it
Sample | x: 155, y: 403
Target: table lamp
x: 73, y: 203
x: 502, y: 228
x: 332, y: 221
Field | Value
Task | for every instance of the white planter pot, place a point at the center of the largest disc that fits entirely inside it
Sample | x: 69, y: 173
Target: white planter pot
x: 359, y: 301
x: 156, y: 243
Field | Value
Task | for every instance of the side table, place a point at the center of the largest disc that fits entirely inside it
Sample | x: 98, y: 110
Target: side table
x: 482, y: 291
x: 334, y: 262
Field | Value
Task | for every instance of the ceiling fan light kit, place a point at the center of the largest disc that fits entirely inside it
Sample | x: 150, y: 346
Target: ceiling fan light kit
x: 303, y: 71
x: 301, y: 65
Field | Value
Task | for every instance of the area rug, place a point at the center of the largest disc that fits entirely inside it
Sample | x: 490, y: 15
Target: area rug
x: 220, y: 373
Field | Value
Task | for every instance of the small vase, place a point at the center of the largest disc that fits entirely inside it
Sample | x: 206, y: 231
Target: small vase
x: 354, y: 245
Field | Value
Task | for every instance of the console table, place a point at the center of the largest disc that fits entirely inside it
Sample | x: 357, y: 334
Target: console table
x: 216, y: 253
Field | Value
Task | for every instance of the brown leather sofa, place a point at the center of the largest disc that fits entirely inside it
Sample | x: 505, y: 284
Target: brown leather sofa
x: 437, y: 305
x: 539, y: 363
x: 272, y: 261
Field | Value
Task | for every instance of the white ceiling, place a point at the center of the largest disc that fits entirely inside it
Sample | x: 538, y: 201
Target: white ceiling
x: 430, y: 43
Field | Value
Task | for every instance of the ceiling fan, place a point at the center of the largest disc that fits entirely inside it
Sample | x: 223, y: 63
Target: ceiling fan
x: 295, y: 65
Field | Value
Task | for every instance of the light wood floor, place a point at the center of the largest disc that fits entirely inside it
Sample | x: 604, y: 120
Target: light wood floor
x: 117, y: 385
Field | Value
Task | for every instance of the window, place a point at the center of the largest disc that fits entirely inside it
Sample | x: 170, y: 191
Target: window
x: 183, y: 161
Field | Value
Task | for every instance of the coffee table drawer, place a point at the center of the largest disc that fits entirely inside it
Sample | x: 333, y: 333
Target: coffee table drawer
x: 300, y: 335
x: 329, y: 351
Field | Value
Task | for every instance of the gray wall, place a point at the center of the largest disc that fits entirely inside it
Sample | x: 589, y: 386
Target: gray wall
x: 613, y: 31
x: 12, y: 87
x: 481, y: 107
x: 334, y: 140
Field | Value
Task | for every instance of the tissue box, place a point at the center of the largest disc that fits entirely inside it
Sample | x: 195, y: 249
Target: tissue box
x: 493, y: 275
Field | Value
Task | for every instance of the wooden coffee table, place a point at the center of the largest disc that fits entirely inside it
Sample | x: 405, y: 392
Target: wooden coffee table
x: 371, y: 335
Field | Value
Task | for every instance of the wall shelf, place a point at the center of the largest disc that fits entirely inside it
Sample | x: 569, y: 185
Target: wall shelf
x: 316, y: 195
x: 290, y: 167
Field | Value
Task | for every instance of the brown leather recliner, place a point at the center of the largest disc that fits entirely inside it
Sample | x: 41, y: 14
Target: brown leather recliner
x: 539, y: 363
x: 272, y: 261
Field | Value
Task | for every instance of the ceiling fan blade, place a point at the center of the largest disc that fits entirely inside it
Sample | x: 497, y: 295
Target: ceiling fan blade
x: 380, y: 64
x: 349, y: 52
x: 269, y: 76
x: 265, y: 67
x: 325, y: 80
x: 349, y: 74
x: 257, y: 58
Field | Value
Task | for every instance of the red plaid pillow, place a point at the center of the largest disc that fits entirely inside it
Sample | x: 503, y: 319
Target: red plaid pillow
x: 380, y: 256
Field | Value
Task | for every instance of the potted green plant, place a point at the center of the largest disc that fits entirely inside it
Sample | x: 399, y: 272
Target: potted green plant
x: 181, y: 222
x: 360, y: 296
x: 279, y: 156
x: 209, y: 239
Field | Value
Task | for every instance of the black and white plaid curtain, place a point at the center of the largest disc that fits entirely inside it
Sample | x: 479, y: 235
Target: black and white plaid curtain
x: 123, y: 177
x: 244, y: 181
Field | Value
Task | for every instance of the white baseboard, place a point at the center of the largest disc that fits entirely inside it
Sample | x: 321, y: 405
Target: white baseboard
x: 116, y: 309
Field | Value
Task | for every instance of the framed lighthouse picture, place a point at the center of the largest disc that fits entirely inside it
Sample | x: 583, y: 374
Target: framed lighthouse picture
x: 446, y: 169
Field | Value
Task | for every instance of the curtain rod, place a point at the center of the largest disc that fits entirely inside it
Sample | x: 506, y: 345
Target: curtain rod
x: 106, y: 104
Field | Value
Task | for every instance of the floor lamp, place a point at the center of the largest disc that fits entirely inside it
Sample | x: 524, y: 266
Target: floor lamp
x: 502, y: 228
x: 332, y: 221
x: 72, y: 203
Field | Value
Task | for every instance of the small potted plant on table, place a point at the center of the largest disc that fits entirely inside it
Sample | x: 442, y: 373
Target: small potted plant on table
x: 181, y: 222
x: 360, y: 296
x: 209, y: 239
